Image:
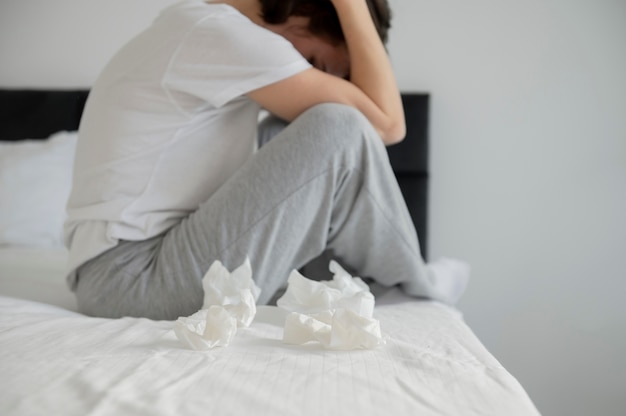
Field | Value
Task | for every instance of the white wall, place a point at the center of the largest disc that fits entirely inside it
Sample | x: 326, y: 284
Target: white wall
x: 65, y: 43
x: 529, y: 181
x: 528, y: 163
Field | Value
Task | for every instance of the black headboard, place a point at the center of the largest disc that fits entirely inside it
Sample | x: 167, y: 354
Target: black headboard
x: 36, y: 114
x: 409, y: 160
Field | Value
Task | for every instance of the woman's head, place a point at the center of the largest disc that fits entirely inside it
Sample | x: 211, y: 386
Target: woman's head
x: 313, y: 27
x: 323, y: 20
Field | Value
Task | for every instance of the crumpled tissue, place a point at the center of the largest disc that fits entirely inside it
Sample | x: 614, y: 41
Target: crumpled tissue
x: 338, y: 313
x: 229, y: 303
x: 235, y: 291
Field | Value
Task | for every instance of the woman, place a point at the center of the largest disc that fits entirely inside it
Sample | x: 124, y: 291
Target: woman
x: 166, y: 179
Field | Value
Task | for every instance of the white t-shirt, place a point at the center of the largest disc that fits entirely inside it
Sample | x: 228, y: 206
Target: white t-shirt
x: 167, y: 123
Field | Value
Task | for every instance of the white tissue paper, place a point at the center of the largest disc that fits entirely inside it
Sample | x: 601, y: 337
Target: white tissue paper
x: 235, y: 291
x: 207, y: 328
x: 229, y: 303
x: 338, y: 314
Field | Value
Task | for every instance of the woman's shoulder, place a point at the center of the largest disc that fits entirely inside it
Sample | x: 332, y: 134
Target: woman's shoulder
x: 221, y: 26
x: 196, y: 12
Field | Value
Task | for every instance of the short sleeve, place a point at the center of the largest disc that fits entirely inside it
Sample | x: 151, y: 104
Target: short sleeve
x: 222, y: 58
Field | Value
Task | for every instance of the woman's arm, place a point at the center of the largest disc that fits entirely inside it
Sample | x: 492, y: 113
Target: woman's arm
x: 372, y: 88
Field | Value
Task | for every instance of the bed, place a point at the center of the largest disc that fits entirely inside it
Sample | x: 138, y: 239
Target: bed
x: 56, y: 361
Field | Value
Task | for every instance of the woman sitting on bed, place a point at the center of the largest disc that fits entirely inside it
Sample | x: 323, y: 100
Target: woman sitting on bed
x: 167, y: 180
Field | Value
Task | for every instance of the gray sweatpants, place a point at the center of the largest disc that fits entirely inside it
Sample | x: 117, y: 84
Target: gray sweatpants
x: 323, y: 183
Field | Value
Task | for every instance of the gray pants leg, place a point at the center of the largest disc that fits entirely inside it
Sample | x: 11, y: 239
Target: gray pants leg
x: 324, y: 182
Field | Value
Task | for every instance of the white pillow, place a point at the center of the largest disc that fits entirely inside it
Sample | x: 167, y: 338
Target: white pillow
x: 35, y: 183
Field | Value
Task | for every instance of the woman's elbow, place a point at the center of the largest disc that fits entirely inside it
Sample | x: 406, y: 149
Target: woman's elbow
x: 393, y: 133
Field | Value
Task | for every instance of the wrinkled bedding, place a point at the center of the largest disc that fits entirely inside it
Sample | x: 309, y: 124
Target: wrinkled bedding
x: 57, y: 361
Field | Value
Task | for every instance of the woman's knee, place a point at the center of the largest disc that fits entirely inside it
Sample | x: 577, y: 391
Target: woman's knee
x: 336, y: 115
x: 339, y: 125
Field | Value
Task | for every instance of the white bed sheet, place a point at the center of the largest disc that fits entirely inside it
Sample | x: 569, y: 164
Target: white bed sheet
x: 55, y: 361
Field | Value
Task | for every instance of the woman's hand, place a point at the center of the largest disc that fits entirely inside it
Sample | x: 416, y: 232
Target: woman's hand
x: 371, y: 70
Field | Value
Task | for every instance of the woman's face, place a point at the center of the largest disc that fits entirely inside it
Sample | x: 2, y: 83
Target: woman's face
x: 322, y: 54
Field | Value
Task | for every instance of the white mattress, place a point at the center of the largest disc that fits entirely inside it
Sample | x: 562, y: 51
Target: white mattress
x: 36, y: 274
x: 56, y: 361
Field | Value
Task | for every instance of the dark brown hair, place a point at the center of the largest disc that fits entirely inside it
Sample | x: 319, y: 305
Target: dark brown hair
x: 323, y: 17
